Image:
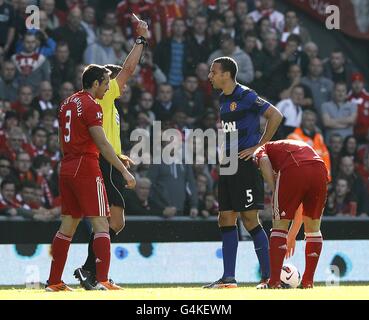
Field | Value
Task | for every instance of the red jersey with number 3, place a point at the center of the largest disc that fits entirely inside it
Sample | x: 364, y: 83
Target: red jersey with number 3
x: 77, y: 114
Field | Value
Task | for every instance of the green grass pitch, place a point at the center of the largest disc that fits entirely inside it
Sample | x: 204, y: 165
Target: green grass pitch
x: 357, y: 291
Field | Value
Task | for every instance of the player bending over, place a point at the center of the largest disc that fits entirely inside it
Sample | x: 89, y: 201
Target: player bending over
x: 302, y: 178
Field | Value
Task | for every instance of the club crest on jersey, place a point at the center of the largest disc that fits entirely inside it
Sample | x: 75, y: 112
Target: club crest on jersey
x: 233, y: 106
x: 99, y: 115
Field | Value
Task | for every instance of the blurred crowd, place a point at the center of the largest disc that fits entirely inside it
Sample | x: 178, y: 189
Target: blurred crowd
x: 322, y: 98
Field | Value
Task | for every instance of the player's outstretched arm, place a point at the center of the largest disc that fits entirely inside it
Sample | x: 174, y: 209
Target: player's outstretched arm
x: 98, y: 135
x: 292, y: 233
x: 133, y: 57
x: 267, y: 172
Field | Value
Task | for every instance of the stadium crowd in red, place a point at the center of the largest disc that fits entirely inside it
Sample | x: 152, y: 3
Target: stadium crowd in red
x: 322, y: 98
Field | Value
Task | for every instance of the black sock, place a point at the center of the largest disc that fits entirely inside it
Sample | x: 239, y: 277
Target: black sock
x: 90, y: 264
x: 113, y: 234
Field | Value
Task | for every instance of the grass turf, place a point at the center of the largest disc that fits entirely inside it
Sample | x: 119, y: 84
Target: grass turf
x: 178, y: 292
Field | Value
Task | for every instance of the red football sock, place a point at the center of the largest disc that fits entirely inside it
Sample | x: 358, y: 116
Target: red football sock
x: 314, y: 243
x: 59, y: 250
x: 277, y: 251
x: 101, y: 247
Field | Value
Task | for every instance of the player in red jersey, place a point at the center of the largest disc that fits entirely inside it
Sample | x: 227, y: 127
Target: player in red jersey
x: 81, y: 184
x: 301, y: 177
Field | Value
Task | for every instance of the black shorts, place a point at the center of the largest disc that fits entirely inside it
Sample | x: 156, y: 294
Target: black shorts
x: 243, y: 191
x: 114, y: 183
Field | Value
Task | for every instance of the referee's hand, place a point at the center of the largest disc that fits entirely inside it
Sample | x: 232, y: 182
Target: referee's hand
x: 127, y: 161
x: 130, y: 179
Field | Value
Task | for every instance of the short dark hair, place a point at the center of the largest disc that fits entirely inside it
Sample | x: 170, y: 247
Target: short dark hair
x: 114, y: 69
x: 7, y: 181
x: 39, y: 161
x: 340, y: 83
x: 294, y: 38
x: 228, y: 65
x: 35, y: 130
x: 92, y: 73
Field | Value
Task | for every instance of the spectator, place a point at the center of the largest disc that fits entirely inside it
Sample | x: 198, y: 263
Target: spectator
x: 42, y: 168
x: 5, y: 168
x: 27, y: 196
x: 320, y: 86
x: 292, y: 26
x: 337, y: 68
x: 145, y: 105
x: 78, y: 76
x: 356, y: 184
x: 339, y: 116
x: 56, y: 18
x: 11, y: 120
x: 25, y: 97
x: 241, y: 10
x: 118, y: 48
x: 14, y: 143
x: 172, y: 185
x: 172, y: 55
x: 164, y: 106
x: 264, y: 27
x: 309, y: 134
x: 8, y: 202
x: 32, y: 67
x: 291, y: 110
x: 8, y: 82
x: 362, y: 169
x: 190, y: 98
x: 62, y: 66
x: 22, y: 165
x: 45, y: 44
x: 148, y: 74
x: 88, y: 23
x: 38, y: 142
x: 73, y: 34
x: 139, y: 203
x: 350, y: 148
x: 293, y: 79
x: 259, y: 61
x: 208, y: 207
x: 53, y: 149
x: 267, y: 10
x: 228, y: 48
x: 341, y: 201
x: 199, y: 41
x: 7, y: 26
x: 30, y: 121
x: 192, y: 10
x: 45, y: 100
x: 312, y: 50
x: 202, y: 72
x: 335, y: 151
x: 101, y: 52
x: 293, y: 55
x: 360, y: 97
x: 167, y: 13
x: 49, y: 121
x: 65, y: 91
x: 229, y: 26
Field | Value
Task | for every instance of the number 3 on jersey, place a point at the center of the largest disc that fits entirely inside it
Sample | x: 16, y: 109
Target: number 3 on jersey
x: 68, y: 116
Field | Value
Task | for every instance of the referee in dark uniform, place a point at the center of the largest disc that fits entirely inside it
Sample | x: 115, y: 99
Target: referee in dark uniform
x: 243, y: 192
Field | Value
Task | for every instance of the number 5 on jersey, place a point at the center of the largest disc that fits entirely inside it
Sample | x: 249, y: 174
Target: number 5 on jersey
x: 249, y: 198
x: 68, y: 116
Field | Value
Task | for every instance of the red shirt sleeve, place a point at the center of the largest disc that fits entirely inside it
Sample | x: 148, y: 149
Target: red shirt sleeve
x: 93, y: 115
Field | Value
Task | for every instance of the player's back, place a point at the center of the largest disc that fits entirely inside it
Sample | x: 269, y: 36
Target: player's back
x: 285, y: 153
x: 77, y: 114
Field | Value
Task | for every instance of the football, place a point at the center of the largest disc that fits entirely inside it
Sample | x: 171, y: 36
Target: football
x: 290, y: 276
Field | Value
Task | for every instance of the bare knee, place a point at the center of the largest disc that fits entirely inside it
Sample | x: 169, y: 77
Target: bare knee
x: 227, y: 219
x: 100, y: 224
x: 69, y: 226
x: 250, y: 220
x: 117, y: 220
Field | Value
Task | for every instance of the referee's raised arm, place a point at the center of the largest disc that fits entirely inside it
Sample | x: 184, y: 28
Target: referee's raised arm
x: 134, y: 56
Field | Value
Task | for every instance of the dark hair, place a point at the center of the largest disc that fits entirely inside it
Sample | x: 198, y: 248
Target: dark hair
x: 228, y: 65
x: 39, y: 161
x: 92, y: 73
x: 340, y: 83
x: 7, y: 181
x: 35, y: 130
x: 28, y: 184
x: 294, y: 38
x: 62, y: 43
x: 114, y: 69
x: 29, y: 114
